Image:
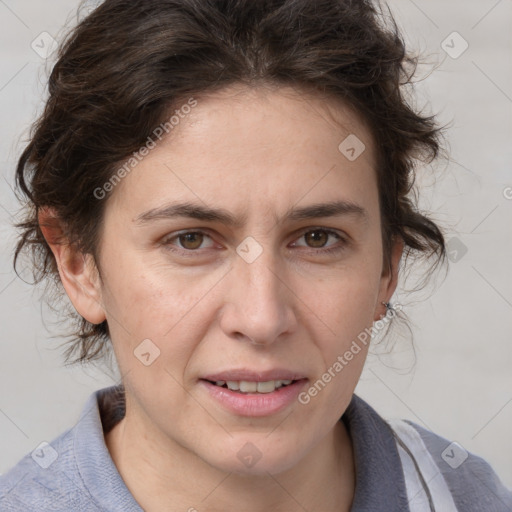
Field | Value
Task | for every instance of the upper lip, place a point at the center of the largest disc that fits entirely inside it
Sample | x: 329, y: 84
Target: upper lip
x: 254, y: 376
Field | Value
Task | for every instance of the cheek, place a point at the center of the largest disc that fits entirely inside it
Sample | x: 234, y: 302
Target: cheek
x: 345, y: 303
x: 346, y: 298
x: 347, y: 309
x: 145, y: 291
x: 149, y: 302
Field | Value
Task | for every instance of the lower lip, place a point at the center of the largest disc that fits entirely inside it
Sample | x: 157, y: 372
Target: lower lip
x: 255, y: 404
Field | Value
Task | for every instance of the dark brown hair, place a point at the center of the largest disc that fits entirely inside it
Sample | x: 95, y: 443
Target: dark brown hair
x: 124, y: 67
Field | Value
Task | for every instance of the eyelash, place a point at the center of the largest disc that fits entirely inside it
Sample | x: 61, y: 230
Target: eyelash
x: 167, y: 242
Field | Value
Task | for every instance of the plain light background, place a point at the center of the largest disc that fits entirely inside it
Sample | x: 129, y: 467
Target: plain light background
x: 461, y: 384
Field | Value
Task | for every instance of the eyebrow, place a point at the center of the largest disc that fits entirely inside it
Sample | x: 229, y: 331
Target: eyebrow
x: 205, y: 213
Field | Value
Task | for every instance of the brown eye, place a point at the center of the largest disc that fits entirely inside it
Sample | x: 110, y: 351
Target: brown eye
x: 191, y: 240
x: 317, y: 238
x: 188, y: 243
x: 322, y: 241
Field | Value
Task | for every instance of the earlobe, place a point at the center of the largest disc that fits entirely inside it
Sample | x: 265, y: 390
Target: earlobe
x: 78, y: 272
x: 389, y: 279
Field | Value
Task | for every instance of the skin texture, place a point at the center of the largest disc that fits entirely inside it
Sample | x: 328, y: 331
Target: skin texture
x: 256, y: 153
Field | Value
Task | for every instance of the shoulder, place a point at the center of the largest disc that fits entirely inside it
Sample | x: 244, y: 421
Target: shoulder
x: 46, y: 479
x: 74, y: 472
x: 471, y: 481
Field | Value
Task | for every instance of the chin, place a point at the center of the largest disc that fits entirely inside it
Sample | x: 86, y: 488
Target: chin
x: 254, y: 458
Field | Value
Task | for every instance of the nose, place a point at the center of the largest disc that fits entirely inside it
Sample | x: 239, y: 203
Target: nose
x: 259, y: 304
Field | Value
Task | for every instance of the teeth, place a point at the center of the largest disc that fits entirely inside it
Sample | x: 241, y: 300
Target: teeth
x: 254, y: 387
x: 248, y: 387
x: 267, y: 387
x: 234, y: 386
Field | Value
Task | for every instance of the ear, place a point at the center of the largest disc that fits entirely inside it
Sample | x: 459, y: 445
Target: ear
x: 389, y: 279
x: 78, y: 272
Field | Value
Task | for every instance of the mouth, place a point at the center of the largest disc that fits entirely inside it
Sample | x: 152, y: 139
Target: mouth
x: 245, y: 386
x: 247, y: 393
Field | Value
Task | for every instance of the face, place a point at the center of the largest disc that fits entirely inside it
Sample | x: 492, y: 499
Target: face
x: 245, y: 248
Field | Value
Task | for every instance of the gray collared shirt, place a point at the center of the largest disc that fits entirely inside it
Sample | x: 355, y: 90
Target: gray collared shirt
x: 75, y: 472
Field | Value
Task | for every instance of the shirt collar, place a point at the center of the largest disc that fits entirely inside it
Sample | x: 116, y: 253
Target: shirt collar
x: 95, y: 465
x: 380, y: 484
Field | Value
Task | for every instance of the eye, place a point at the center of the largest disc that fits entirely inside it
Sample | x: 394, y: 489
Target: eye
x: 318, y: 238
x: 187, y: 240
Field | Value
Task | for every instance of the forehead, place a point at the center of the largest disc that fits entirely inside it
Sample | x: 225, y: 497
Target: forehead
x: 269, y: 146
x: 275, y: 120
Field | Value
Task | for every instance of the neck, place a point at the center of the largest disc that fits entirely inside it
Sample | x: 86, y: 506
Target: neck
x: 324, y: 480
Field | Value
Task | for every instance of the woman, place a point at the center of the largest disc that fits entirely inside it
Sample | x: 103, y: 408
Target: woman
x: 220, y: 187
